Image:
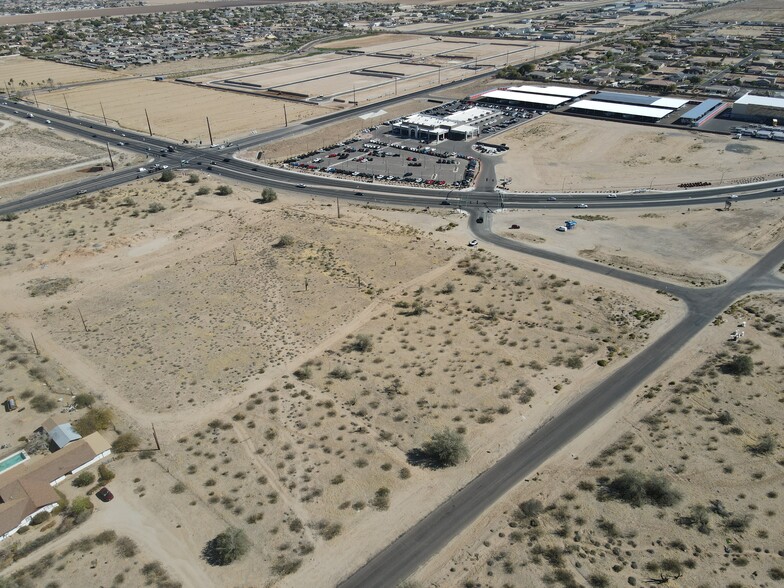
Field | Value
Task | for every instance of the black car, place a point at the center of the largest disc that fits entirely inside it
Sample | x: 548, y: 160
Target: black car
x: 445, y: 202
x: 104, y: 495
x: 480, y: 220
x: 358, y: 194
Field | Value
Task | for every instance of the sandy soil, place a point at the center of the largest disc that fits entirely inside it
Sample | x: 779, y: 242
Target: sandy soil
x: 695, y: 246
x: 32, y: 148
x: 688, y: 425
x: 560, y: 152
x: 38, y: 72
x: 179, y: 110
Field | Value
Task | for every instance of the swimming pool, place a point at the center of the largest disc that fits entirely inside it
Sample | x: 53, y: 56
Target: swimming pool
x: 13, y: 460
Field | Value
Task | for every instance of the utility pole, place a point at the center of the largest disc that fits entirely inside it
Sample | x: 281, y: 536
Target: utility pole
x: 338, y: 200
x: 209, y: 130
x: 234, y: 252
x: 84, y: 324
x: 104, y: 114
x: 35, y: 345
x: 66, y: 105
x: 396, y: 83
x: 147, y: 116
x: 7, y: 91
x: 306, y: 284
x: 34, y: 97
x: 110, y: 155
x: 285, y: 115
x: 355, y: 94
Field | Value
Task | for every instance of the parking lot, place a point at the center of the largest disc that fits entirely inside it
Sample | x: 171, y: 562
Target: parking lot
x: 379, y: 155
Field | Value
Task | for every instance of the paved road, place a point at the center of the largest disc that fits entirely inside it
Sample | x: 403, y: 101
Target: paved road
x: 417, y: 545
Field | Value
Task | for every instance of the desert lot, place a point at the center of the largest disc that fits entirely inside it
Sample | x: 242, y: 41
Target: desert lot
x: 273, y: 415
x: 38, y: 72
x: 560, y: 152
x: 750, y: 10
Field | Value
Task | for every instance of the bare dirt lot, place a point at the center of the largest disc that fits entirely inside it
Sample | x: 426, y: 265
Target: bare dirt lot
x: 561, y: 152
x: 696, y: 246
x: 178, y: 111
x: 703, y: 440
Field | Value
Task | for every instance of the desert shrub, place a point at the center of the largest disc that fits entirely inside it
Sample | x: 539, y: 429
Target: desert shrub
x: 776, y: 574
x: 446, y: 448
x: 125, y: 442
x: 167, y: 175
x: 80, y: 505
x: 284, y: 566
x: 226, y: 547
x: 43, y: 403
x: 340, y: 373
x: 739, y: 365
x: 84, y: 478
x: 105, y: 474
x: 155, y: 207
x: 737, y: 523
x: 598, y: 581
x: 193, y: 179
x: 96, y: 419
x: 362, y: 343
x: 267, y: 195
x: 574, y: 362
x: 178, y: 488
x: 303, y: 372
x: 105, y: 537
x: 126, y: 547
x: 381, y: 499
x: 724, y: 418
x: 284, y: 241
x: 48, y: 286
x: 531, y: 508
x: 40, y: 517
x: 765, y: 446
x: 202, y: 191
x: 84, y: 400
x: 637, y: 489
x: 224, y: 190
x: 328, y: 530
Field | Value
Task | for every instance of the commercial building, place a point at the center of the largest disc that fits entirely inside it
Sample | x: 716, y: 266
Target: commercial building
x: 523, y: 99
x: 702, y: 113
x: 551, y: 91
x: 758, y: 109
x: 461, y: 125
x: 619, y: 111
x: 28, y: 488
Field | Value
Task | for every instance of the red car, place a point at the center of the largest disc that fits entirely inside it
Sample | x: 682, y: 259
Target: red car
x: 104, y: 495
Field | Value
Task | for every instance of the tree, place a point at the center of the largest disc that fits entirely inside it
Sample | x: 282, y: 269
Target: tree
x: 446, y: 448
x: 125, y: 442
x: 167, y: 175
x: 739, y: 365
x: 96, y: 419
x: 226, y: 547
x: 193, y: 179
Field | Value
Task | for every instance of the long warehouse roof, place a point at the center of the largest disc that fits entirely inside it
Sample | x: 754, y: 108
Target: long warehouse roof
x: 760, y: 101
x: 644, y: 111
x: 551, y: 90
x: 523, y: 97
x: 640, y: 99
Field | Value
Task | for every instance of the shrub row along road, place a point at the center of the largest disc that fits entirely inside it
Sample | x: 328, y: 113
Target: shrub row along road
x: 412, y: 549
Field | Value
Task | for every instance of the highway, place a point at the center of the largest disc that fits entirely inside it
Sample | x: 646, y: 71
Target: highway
x: 431, y: 534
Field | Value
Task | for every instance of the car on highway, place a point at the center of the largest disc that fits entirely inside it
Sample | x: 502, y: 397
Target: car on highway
x: 48, y: 121
x: 473, y: 243
x: 120, y: 143
x: 445, y: 202
x: 29, y: 115
x: 581, y: 206
x: 480, y: 220
x: 226, y: 160
x: 301, y: 186
x: 552, y: 199
x: 142, y: 169
x: 733, y: 197
x: 80, y: 192
x: 358, y: 194
x: 515, y: 227
x: 778, y: 189
x: 104, y: 495
x: 612, y: 195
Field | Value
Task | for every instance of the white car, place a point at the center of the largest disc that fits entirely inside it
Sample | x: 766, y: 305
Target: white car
x: 733, y: 196
x: 301, y: 186
x: 142, y: 169
x: 562, y: 229
x: 778, y: 189
x: 473, y: 243
x: 581, y: 206
x: 612, y: 195
x: 48, y: 121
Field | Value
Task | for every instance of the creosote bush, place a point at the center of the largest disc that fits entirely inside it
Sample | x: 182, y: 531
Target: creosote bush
x: 125, y: 442
x: 637, y: 489
x: 739, y: 365
x: 446, y: 448
x: 226, y: 547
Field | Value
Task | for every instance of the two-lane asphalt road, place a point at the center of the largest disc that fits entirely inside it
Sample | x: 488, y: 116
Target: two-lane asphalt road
x: 431, y: 534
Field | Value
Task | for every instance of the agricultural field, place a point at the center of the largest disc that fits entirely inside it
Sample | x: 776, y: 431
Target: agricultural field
x: 557, y: 153
x: 22, y: 73
x: 178, y: 111
x: 680, y: 485
x: 750, y: 10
